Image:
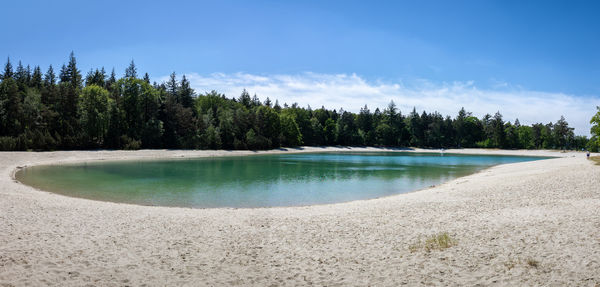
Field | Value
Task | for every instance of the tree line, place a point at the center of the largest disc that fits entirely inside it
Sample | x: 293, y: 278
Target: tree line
x: 68, y: 111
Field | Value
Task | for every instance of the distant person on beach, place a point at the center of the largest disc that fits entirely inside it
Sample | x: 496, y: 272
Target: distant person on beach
x: 588, y: 154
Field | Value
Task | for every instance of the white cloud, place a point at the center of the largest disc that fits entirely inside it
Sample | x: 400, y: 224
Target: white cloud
x: 352, y: 92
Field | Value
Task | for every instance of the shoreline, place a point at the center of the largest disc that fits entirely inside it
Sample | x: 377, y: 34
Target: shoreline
x: 243, y: 153
x: 502, y: 216
x: 143, y: 154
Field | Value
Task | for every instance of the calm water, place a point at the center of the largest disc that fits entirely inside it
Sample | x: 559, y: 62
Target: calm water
x: 258, y: 181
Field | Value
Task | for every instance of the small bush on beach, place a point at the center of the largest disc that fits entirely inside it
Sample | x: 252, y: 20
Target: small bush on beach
x: 596, y: 159
x: 438, y: 241
x: 130, y: 144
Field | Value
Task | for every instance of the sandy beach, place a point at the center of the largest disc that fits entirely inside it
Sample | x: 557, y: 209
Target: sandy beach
x: 522, y: 224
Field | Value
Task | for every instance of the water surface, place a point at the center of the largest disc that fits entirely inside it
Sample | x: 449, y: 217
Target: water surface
x: 257, y: 181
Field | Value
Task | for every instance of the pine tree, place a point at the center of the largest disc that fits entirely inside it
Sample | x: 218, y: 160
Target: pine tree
x: 255, y: 101
x: 415, y: 128
x: 108, y: 85
x: 268, y: 102
x: 36, y: 78
x: 277, y: 107
x: 563, y: 134
x: 186, y: 93
x: 50, y: 104
x: 49, y: 85
x: 28, y: 75
x: 498, y: 135
x: 8, y: 70
x: 95, y: 78
x: 69, y: 90
x: 131, y: 71
x: 21, y: 76
x: 64, y: 76
x: 89, y: 78
x: 11, y: 112
x: 74, y: 72
x: 173, y: 86
x: 459, y: 127
x: 364, y: 121
x: 245, y: 99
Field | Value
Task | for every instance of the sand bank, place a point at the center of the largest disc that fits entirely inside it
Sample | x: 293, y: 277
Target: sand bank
x: 532, y: 223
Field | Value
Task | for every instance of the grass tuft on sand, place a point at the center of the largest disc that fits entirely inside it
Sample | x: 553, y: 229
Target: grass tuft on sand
x: 596, y: 159
x: 438, y: 241
x: 529, y: 262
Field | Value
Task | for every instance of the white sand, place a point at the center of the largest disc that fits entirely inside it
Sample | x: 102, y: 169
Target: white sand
x: 545, y: 212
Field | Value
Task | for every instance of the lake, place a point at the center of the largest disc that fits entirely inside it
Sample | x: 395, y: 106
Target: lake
x: 258, y: 180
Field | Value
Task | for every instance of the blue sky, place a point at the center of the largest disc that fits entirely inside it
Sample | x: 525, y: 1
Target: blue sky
x: 503, y: 55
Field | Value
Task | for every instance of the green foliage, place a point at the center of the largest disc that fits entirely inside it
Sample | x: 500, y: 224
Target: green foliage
x: 69, y: 89
x: 212, y: 138
x: 347, y: 131
x: 8, y: 143
x: 290, y: 133
x: 129, y: 143
x: 226, y: 127
x: 245, y: 99
x: 563, y: 134
x: 131, y: 71
x: 185, y: 93
x: 267, y: 125
x: 595, y: 130
x: 329, y: 132
x: 256, y: 141
x: 152, y: 133
x: 415, y: 128
x: 45, y: 113
x: 96, y: 77
x: 94, y: 110
x: 439, y: 241
x: 487, y: 143
x: 498, y: 132
x: 130, y: 92
x: 8, y: 71
x: 11, y: 110
x: 525, y: 137
x: 384, y: 134
x: 593, y: 144
x: 473, y: 132
x: 115, y: 126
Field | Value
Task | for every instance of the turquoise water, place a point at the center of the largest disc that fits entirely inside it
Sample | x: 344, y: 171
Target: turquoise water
x: 257, y: 181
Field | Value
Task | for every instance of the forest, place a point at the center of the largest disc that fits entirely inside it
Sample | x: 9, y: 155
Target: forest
x: 46, y: 111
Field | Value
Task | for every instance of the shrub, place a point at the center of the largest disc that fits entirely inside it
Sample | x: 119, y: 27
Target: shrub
x: 8, y: 143
x: 257, y: 141
x: 438, y: 241
x: 130, y: 144
x: 485, y: 144
x: 238, y: 144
